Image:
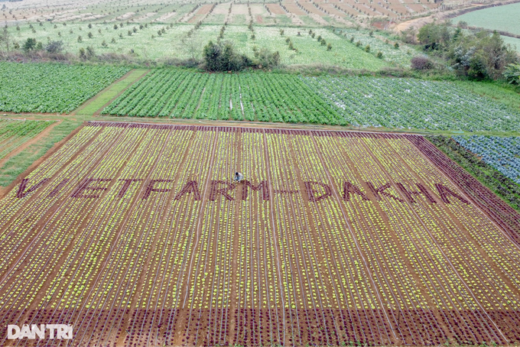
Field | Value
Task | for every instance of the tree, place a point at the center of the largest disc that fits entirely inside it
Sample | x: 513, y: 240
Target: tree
x: 29, y: 45
x: 329, y: 47
x: 90, y: 35
x: 80, y: 39
x: 82, y: 54
x: 5, y: 39
x: 222, y: 57
x: 90, y: 52
x: 54, y: 47
x: 433, y: 36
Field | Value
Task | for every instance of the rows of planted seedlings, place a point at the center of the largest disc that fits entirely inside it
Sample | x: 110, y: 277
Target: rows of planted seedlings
x: 258, y: 300
x: 68, y: 301
x: 477, y: 246
x: 246, y: 96
x: 463, y: 253
x: 341, y: 257
x: 52, y: 87
x: 407, y: 103
x: 53, y: 234
x: 115, y: 294
x: 210, y: 277
x: 333, y: 238
x: 460, y: 311
x: 398, y: 292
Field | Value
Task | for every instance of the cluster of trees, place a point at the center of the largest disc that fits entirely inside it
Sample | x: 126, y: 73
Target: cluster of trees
x: 221, y: 56
x: 479, y: 55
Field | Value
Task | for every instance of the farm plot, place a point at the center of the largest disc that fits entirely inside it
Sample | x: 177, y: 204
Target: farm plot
x: 503, y: 153
x: 332, y: 239
x: 408, y: 103
x: 52, y: 87
x: 14, y: 133
x: 245, y: 96
x: 480, y: 168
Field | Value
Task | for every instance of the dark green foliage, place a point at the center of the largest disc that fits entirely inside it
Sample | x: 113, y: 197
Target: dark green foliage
x: 479, y: 55
x: 29, y: 45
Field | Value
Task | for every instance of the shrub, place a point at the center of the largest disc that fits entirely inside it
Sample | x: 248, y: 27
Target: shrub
x: 54, y: 47
x: 512, y: 73
x: 82, y: 54
x: 421, y: 63
x: 396, y: 45
x: 367, y: 48
x: 29, y: 45
x: 379, y: 55
x: 329, y: 47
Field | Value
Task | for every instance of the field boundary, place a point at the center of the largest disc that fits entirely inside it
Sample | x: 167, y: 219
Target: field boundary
x: 131, y: 77
x: 234, y: 127
x: 26, y: 144
x: 5, y: 190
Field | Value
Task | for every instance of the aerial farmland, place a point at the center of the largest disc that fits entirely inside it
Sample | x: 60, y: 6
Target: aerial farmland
x: 293, y: 173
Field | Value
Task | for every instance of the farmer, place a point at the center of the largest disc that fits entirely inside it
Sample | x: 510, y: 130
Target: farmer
x: 238, y: 177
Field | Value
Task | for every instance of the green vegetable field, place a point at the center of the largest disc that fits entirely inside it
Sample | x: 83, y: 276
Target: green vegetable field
x: 52, y: 87
x: 358, y: 101
x: 245, y: 96
x: 413, y: 104
x: 14, y: 133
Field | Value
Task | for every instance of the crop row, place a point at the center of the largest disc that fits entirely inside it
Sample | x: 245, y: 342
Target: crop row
x: 407, y: 103
x: 333, y: 238
x: 488, y: 174
x: 13, y: 133
x: 247, y: 96
x: 502, y: 153
x: 52, y: 87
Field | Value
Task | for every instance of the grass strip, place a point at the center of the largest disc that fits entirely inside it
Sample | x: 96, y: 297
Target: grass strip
x: 17, y: 164
x: 110, y: 92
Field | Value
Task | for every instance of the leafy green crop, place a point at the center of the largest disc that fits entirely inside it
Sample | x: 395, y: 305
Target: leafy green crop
x: 245, y: 96
x: 52, y: 87
x: 409, y: 103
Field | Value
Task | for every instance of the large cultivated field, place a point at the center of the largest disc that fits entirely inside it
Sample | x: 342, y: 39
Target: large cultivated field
x: 136, y: 235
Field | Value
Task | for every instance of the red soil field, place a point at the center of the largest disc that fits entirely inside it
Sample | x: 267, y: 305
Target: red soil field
x: 137, y: 235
